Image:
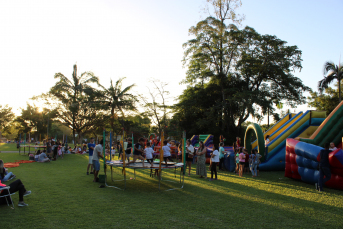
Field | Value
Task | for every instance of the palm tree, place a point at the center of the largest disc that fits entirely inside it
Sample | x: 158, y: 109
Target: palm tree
x: 331, y: 72
x: 70, y: 92
x: 119, y: 100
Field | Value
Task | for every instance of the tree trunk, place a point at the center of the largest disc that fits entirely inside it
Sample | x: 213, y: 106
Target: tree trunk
x: 339, y: 88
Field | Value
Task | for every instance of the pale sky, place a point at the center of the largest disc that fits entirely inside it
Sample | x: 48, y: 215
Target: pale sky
x: 141, y: 40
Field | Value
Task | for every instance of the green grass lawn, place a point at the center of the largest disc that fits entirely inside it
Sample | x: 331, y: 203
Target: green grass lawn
x: 63, y: 196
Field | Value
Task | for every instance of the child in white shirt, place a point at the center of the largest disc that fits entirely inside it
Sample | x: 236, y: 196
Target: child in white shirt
x: 166, y: 152
x: 149, y: 154
x: 214, y: 160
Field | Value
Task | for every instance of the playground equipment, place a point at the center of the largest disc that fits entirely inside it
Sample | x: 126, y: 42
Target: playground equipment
x: 139, y: 165
x: 207, y: 139
x: 302, y: 163
x: 273, y: 155
x: 302, y: 154
x: 331, y: 130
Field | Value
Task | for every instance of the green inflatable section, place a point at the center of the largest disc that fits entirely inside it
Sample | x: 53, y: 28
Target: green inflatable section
x: 332, y: 130
x: 254, y: 128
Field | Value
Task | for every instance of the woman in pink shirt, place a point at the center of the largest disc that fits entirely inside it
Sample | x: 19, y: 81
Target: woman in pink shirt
x: 241, y: 163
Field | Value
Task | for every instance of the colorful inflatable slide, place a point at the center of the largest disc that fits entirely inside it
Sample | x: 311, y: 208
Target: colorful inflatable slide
x: 273, y: 155
x: 302, y: 154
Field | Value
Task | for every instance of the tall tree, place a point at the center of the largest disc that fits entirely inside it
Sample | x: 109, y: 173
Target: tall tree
x: 6, y: 117
x: 77, y: 101
x: 326, y: 101
x: 156, y: 105
x: 36, y: 121
x: 331, y: 72
x: 251, y: 71
x: 118, y: 100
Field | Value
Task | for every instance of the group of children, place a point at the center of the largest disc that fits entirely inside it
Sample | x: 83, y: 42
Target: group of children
x: 246, y: 162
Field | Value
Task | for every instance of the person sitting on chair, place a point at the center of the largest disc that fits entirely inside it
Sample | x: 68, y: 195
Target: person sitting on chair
x: 16, y: 186
x: 4, y: 174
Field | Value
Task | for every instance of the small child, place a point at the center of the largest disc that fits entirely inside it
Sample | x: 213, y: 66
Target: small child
x: 60, y: 152
x: 166, y: 152
x: 36, y: 147
x: 63, y: 149
x: 149, y: 154
x: 37, y: 155
x: 113, y: 152
x: 215, y: 160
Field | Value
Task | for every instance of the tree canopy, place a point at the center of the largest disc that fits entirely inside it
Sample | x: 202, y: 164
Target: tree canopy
x: 234, y: 74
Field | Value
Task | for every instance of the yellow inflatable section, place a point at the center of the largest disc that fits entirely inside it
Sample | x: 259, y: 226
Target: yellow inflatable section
x: 295, y: 124
x: 276, y: 128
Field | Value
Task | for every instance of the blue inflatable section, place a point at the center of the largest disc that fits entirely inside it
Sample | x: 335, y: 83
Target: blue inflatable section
x: 276, y: 158
x: 307, y: 161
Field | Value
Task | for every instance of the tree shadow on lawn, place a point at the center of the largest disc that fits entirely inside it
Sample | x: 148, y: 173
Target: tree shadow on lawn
x: 284, y: 182
x: 262, y: 199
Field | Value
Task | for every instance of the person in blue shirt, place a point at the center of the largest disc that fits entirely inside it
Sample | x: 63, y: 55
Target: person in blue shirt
x: 91, y: 146
x: 324, y: 168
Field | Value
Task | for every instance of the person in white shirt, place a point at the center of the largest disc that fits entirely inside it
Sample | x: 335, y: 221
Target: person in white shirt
x: 166, y: 152
x: 97, y: 153
x: 148, y: 151
x: 215, y: 160
x: 332, y: 146
x: 189, y: 155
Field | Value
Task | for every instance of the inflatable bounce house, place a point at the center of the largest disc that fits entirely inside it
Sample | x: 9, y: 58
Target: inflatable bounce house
x: 290, y: 126
x: 302, y: 154
x: 207, y: 139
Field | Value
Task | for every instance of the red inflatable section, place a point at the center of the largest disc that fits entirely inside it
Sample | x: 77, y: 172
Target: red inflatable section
x: 291, y: 169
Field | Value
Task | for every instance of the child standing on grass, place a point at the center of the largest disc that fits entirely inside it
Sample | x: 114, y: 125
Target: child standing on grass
x: 215, y: 160
x: 166, y: 152
x: 241, y: 163
x: 237, y: 161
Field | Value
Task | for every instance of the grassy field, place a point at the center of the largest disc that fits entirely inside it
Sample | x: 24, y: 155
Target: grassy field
x: 63, y: 196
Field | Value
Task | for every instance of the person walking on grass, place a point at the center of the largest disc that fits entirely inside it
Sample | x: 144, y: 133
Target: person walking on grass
x: 324, y: 168
x: 215, y: 160
x: 91, y: 147
x: 97, y: 154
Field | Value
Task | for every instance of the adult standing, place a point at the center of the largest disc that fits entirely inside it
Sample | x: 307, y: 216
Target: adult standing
x: 201, y: 162
x: 222, y: 153
x: 91, y: 147
x: 48, y: 148
x: 97, y: 153
x: 189, y: 155
x: 324, y: 168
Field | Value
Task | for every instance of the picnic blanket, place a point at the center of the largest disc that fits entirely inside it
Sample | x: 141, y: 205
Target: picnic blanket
x: 16, y: 163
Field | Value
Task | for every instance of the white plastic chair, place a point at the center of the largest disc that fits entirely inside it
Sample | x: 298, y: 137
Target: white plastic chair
x: 2, y: 189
